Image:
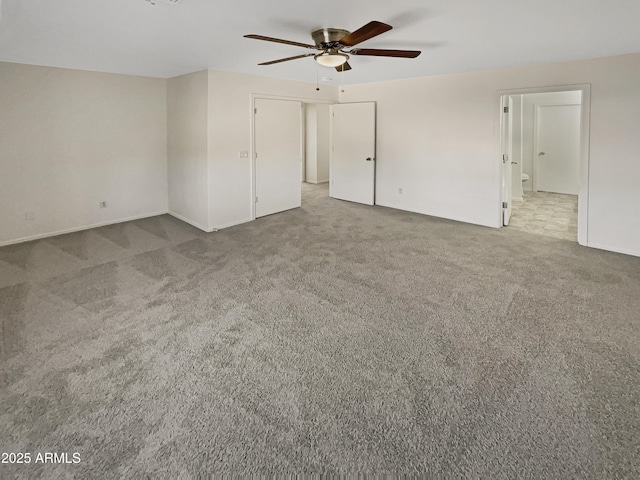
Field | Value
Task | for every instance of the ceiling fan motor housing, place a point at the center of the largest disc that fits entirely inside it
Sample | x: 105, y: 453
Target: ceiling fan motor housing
x: 328, y: 37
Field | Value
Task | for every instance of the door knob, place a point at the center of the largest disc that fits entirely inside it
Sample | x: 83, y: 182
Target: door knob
x: 368, y: 159
x: 542, y: 153
x: 514, y: 163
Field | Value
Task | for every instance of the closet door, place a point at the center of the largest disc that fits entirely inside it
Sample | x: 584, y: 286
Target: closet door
x: 278, y: 155
x: 353, y: 152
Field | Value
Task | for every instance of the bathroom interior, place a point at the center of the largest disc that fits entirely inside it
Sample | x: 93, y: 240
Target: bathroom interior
x: 545, y: 161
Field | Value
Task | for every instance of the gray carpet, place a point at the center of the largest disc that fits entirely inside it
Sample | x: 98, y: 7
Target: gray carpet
x: 334, y: 338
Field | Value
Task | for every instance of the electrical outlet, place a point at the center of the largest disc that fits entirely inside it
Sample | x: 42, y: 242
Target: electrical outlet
x: 29, y: 216
x: 400, y: 191
x: 244, y: 154
x: 103, y: 204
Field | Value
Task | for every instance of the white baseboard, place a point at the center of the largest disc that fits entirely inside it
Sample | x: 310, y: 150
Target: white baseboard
x: 190, y: 222
x: 233, y: 224
x: 78, y: 229
x: 316, y: 183
x: 613, y: 249
x: 454, y: 218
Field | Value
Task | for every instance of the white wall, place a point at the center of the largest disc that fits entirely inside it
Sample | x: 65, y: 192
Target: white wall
x: 317, y: 143
x: 230, y: 177
x: 70, y: 139
x: 437, y: 141
x: 530, y: 101
x: 188, y: 160
x: 324, y: 141
x: 311, y: 143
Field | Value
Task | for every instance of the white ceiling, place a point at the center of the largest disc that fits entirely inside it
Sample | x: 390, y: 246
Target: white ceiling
x: 135, y: 37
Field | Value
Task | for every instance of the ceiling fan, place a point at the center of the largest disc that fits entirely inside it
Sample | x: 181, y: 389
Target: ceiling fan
x: 333, y: 41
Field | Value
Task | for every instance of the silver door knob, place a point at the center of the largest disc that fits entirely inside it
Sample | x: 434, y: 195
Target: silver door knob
x: 542, y: 153
x: 514, y: 163
x: 368, y: 159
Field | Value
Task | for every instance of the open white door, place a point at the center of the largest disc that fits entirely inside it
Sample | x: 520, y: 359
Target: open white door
x: 558, y: 149
x: 507, y: 169
x: 353, y: 150
x: 278, y: 155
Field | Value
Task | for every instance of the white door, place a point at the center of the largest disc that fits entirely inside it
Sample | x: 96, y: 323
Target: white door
x: 353, y: 151
x: 507, y: 169
x: 558, y: 149
x: 278, y: 155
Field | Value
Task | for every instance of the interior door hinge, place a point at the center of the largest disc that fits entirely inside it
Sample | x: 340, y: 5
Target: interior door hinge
x: 505, y: 109
x: 255, y: 110
x: 505, y: 205
x: 505, y: 158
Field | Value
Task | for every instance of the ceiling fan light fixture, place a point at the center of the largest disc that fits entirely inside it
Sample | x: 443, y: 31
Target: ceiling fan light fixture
x: 331, y: 58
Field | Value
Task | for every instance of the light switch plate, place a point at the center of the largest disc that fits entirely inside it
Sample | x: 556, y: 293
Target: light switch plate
x: 244, y: 154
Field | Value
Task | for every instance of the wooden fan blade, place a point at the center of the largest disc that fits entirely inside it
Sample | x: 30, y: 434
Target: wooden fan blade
x: 345, y: 67
x: 376, y: 52
x: 278, y: 40
x: 287, y: 59
x: 370, y: 30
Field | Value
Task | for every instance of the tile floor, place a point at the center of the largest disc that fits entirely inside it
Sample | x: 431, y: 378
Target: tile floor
x: 551, y: 214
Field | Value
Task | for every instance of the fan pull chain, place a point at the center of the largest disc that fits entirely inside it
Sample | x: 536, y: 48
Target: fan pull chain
x: 317, y: 79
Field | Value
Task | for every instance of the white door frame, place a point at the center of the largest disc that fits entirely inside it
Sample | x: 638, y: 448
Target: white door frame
x: 585, y: 118
x: 252, y: 134
x: 506, y: 138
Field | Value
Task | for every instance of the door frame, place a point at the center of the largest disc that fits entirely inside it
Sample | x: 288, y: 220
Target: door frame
x: 585, y: 129
x: 252, y: 135
x: 506, y: 147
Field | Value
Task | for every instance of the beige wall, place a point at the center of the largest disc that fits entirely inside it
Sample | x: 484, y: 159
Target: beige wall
x: 436, y: 139
x: 317, y: 142
x: 188, y: 164
x: 311, y: 143
x: 70, y: 139
x: 323, y: 141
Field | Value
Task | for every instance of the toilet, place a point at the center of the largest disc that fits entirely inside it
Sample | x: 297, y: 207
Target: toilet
x: 525, y: 177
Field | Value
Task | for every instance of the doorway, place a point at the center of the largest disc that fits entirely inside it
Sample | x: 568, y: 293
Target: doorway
x: 544, y: 145
x: 317, y: 141
x: 330, y: 151
x: 278, y: 151
x: 341, y: 148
